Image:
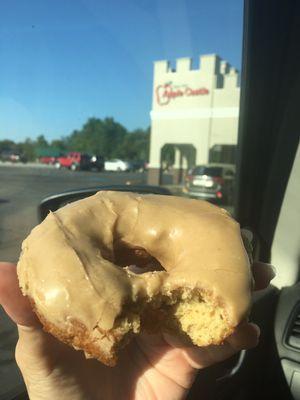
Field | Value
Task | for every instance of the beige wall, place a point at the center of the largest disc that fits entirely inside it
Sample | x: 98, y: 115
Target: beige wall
x: 204, y: 112
x: 173, y: 131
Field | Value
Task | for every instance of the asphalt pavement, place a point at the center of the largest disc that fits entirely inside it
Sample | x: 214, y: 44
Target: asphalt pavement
x: 21, y: 190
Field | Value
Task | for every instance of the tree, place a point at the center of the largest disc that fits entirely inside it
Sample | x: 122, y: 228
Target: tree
x: 7, y: 144
x: 28, y: 149
x: 115, y: 134
x: 97, y: 136
x: 60, y: 144
x: 104, y: 137
x: 41, y: 141
x: 136, y: 145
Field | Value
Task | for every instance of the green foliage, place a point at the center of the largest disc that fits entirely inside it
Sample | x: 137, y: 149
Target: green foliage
x: 98, y: 136
x: 102, y: 137
x: 41, y: 141
x: 28, y: 149
x: 135, y: 145
x: 7, y: 144
x: 60, y: 144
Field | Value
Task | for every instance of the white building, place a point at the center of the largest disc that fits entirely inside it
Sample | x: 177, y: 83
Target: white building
x: 195, y: 111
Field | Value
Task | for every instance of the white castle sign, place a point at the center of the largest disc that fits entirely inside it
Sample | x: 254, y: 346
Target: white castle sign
x: 192, y: 107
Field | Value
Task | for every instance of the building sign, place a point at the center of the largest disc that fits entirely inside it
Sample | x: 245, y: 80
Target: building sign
x: 167, y: 92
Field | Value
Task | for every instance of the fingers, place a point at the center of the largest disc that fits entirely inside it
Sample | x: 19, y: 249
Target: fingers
x: 263, y: 274
x: 245, y: 337
x: 12, y: 300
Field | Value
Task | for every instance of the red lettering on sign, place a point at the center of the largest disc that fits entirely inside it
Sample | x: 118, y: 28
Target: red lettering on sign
x: 196, y: 92
x: 167, y: 92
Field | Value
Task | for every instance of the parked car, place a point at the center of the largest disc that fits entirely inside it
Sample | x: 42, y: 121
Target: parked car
x: 138, y: 165
x: 211, y: 182
x: 12, y: 156
x: 48, y: 160
x: 80, y: 161
x: 116, y: 165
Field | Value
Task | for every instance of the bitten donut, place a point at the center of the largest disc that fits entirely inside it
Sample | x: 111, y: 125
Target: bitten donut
x: 103, y: 269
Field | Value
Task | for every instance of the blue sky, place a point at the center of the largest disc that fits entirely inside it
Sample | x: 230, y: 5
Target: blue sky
x: 62, y: 62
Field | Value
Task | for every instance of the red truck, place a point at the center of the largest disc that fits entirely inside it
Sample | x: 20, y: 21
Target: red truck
x: 47, y: 160
x: 80, y: 161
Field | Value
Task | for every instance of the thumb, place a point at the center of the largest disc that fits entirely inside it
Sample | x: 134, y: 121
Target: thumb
x: 36, y: 350
x: 12, y: 300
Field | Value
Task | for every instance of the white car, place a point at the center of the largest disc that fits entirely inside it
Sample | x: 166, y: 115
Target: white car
x: 116, y: 165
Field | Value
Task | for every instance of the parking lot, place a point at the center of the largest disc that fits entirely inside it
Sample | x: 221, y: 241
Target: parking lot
x: 22, y: 188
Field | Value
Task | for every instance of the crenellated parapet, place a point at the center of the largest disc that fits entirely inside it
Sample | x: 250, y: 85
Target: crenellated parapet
x: 210, y: 64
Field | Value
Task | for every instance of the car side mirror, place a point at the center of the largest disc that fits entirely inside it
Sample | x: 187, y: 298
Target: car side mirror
x: 56, y: 201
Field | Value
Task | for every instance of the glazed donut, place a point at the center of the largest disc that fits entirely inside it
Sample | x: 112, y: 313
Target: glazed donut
x: 103, y: 269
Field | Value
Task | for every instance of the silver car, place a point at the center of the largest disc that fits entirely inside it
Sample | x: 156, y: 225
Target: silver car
x: 211, y: 182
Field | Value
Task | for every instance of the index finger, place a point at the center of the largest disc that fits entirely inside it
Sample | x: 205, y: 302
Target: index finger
x: 263, y: 274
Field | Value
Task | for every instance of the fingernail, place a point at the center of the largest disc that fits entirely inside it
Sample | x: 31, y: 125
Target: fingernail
x: 268, y: 267
x: 272, y: 271
x: 248, y: 234
x: 257, y: 328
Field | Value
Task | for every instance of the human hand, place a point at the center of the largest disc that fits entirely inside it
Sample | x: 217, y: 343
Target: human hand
x: 150, y: 367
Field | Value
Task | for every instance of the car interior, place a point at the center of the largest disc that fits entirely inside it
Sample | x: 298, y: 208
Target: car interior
x: 268, y: 171
x: 266, y: 203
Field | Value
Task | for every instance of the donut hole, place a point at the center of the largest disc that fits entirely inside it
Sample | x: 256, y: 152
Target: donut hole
x: 136, y: 259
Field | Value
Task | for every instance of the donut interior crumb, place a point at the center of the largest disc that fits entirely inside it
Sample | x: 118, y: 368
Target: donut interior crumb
x: 184, y: 313
x: 201, y: 321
